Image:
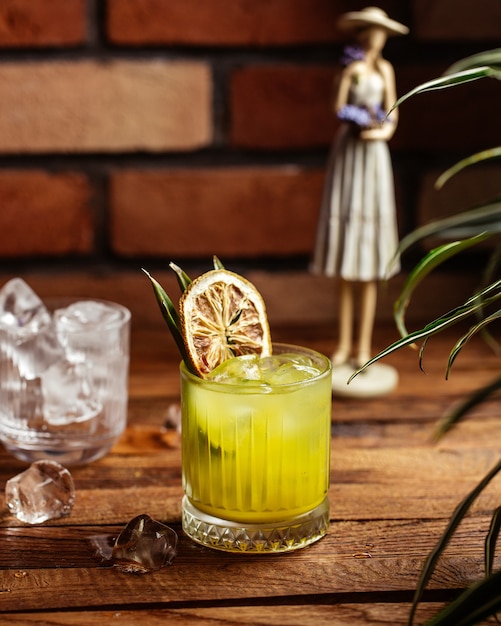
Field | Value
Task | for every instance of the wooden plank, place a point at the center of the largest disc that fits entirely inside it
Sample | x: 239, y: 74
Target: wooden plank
x: 70, y: 546
x: 366, y: 483
x: 363, y: 557
x: 340, y: 614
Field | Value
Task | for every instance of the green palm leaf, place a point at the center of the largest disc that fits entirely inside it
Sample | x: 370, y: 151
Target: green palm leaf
x: 491, y: 540
x: 459, y: 411
x: 444, y: 618
x: 472, y: 222
x: 484, y: 155
x: 450, y: 80
x: 434, y: 258
x: 462, y: 341
x: 489, y: 295
x: 491, y: 58
x: 474, y: 605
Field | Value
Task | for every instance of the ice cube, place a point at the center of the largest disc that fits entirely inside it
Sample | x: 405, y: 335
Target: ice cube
x: 44, y: 491
x: 252, y: 370
x: 20, y: 307
x: 287, y: 368
x: 144, y: 545
x: 89, y: 327
x: 290, y: 373
x: 67, y: 394
x: 28, y: 339
x: 237, y: 370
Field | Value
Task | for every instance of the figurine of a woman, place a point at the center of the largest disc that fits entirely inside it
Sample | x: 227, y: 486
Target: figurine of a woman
x: 357, y: 232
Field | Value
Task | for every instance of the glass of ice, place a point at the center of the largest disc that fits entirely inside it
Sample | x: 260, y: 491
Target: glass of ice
x: 63, y: 376
x: 256, y: 452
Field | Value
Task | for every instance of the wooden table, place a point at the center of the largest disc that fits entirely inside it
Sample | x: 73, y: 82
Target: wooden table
x: 391, y: 493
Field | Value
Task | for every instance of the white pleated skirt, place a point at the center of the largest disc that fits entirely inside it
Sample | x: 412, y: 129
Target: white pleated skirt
x: 357, y: 234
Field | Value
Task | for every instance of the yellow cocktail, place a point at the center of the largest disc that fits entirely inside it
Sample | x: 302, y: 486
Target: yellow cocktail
x: 256, y: 451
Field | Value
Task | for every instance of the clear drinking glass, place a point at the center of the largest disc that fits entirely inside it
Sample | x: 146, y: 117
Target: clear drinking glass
x: 64, y: 383
x: 256, y: 460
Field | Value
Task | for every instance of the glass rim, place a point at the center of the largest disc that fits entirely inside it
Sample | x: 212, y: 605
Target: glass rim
x: 265, y: 388
x: 55, y: 303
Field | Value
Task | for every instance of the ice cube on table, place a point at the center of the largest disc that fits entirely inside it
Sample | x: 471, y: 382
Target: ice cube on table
x: 28, y: 339
x: 144, y: 545
x: 44, y: 491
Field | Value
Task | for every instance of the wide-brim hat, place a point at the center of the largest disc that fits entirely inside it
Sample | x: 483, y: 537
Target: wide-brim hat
x: 371, y: 16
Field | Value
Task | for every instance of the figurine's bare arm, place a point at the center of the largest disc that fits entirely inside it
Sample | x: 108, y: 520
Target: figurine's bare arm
x: 385, y: 130
x: 343, y: 87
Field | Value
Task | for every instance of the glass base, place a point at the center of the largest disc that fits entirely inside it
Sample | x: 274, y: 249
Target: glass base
x: 64, y: 456
x: 265, y: 538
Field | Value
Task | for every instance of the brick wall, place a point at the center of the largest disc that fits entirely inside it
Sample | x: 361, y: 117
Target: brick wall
x: 133, y: 132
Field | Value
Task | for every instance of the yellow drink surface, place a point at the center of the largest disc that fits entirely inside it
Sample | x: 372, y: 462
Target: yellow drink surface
x: 255, y: 454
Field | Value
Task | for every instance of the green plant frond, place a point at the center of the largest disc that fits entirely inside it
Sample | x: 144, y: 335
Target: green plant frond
x: 491, y: 58
x: 421, y: 353
x: 474, y: 605
x: 491, y: 270
x: 472, y: 400
x: 183, y: 280
x: 484, y: 155
x: 171, y: 316
x: 485, y: 218
x: 492, y: 266
x: 466, y: 337
x: 491, y: 540
x: 217, y: 263
x: 450, y: 80
x: 473, y: 304
x: 440, y: 546
x: 433, y: 259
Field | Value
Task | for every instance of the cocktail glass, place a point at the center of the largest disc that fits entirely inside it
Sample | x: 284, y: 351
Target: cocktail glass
x: 256, y: 459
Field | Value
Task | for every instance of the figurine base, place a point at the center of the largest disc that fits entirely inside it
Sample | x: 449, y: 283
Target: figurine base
x: 376, y: 380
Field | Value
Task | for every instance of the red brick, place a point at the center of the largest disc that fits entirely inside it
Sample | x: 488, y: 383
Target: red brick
x: 85, y: 106
x: 44, y: 214
x: 281, y: 106
x: 238, y: 212
x: 221, y: 22
x: 229, y: 22
x: 457, y: 20
x: 38, y: 23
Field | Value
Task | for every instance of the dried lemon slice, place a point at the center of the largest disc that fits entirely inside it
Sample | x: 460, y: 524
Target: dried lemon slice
x: 222, y: 315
